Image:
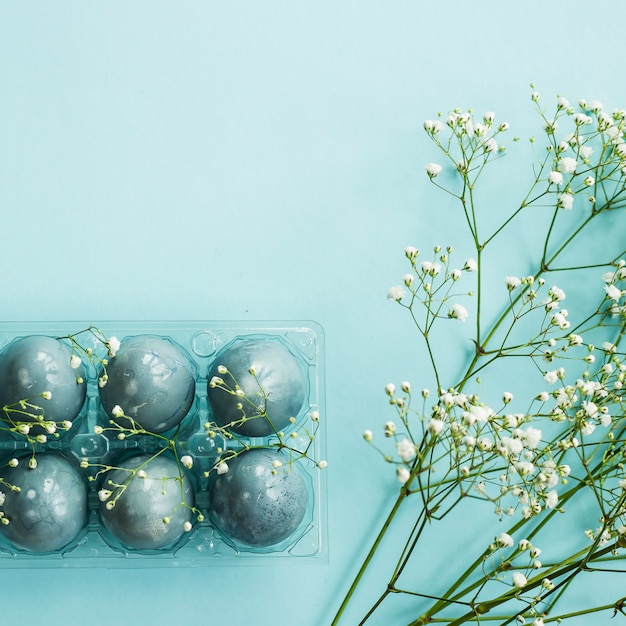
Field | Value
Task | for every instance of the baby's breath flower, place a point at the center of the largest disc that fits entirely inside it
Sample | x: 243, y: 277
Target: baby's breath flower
x: 117, y: 411
x: 519, y: 580
x: 565, y: 201
x: 459, y: 312
x: 113, y: 345
x: 396, y: 293
x: 406, y: 450
x: 402, y: 474
x: 612, y: 292
x: 75, y: 361
x: 470, y: 265
x: 555, y: 178
x: 323, y: 464
x: 187, y: 461
x: 221, y: 468
x: 512, y: 282
x: 368, y: 435
x: 433, y: 170
x: 46, y: 395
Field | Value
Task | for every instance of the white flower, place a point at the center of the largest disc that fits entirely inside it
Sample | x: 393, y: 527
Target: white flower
x: 470, y: 265
x: 538, y: 621
x: 551, y: 377
x: 556, y: 294
x: 435, y: 426
x: 432, y: 269
x: 187, y: 461
x: 104, y: 495
x: 402, y: 474
x: 519, y: 580
x: 433, y: 169
x: 406, y: 450
x: 113, y: 345
x: 433, y: 126
x: 505, y: 540
x: 555, y: 178
x: 75, y: 361
x: 613, y: 292
x: 567, y: 165
x: 117, y: 411
x: 512, y: 445
x: 562, y: 103
x: 480, y: 413
x: 532, y: 437
x: 221, y: 468
x: 585, y: 152
x: 46, y: 395
x: 323, y: 464
x: 187, y: 526
x: 396, y: 293
x: 368, y: 435
x: 565, y: 201
x: 512, y: 282
x: 552, y: 499
x: 580, y: 119
x: 590, y: 408
x: 458, y: 312
x: 490, y: 145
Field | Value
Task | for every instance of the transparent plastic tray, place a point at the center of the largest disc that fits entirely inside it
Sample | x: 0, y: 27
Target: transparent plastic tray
x: 204, y: 544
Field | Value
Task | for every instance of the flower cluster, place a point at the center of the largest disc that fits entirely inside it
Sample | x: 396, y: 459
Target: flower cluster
x: 297, y: 443
x: 528, y: 456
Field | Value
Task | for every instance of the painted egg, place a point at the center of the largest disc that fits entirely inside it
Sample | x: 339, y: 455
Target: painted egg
x: 50, y: 509
x: 146, y: 513
x: 256, y: 504
x: 30, y: 366
x: 152, y: 380
x: 255, y: 386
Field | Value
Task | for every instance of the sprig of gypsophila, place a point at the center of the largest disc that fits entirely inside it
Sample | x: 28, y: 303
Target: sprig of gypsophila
x: 297, y: 444
x: 128, y: 428
x: 80, y: 351
x: 528, y: 463
x: 26, y: 420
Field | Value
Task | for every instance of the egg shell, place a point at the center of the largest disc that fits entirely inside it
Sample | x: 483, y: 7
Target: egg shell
x: 51, y: 508
x: 255, y: 503
x: 272, y: 396
x: 34, y: 364
x: 152, y: 380
x: 136, y: 520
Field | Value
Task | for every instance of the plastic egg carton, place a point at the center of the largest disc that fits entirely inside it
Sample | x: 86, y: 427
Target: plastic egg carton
x: 205, y: 543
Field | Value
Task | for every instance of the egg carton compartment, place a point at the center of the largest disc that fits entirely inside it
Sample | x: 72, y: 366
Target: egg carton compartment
x: 150, y: 430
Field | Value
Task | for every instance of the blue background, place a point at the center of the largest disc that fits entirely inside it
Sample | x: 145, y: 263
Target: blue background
x: 255, y: 161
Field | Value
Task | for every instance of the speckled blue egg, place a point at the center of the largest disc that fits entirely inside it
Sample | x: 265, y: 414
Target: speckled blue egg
x: 32, y: 365
x: 136, y: 520
x: 272, y: 396
x: 50, y: 509
x: 152, y: 380
x: 255, y: 504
